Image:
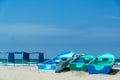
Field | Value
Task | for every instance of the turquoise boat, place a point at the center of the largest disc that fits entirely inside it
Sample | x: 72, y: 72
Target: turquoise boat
x: 51, y: 64
x: 80, y: 62
x: 102, y: 64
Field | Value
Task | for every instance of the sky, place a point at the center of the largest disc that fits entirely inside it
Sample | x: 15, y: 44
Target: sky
x: 54, y: 26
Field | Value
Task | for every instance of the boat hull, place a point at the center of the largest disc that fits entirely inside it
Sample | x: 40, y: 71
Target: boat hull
x: 61, y: 59
x: 77, y: 67
x: 62, y: 65
x: 91, y: 69
x: 47, y: 66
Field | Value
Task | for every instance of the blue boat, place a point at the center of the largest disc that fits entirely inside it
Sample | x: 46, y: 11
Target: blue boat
x: 51, y: 64
x: 102, y: 64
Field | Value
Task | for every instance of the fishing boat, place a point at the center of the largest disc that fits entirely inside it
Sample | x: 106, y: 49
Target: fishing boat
x: 102, y: 64
x: 80, y: 62
x: 51, y: 64
x: 62, y: 65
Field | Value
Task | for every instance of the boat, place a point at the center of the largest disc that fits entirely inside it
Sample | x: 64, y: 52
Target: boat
x: 102, y: 64
x: 62, y: 65
x: 80, y: 62
x: 51, y: 64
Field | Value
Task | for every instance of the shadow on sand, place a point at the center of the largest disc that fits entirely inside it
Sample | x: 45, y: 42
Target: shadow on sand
x: 65, y: 70
x: 114, y: 71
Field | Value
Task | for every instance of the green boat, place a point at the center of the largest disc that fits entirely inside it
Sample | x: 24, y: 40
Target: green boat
x: 102, y: 64
x: 80, y: 62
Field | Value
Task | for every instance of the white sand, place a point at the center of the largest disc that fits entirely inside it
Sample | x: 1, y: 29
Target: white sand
x: 31, y: 73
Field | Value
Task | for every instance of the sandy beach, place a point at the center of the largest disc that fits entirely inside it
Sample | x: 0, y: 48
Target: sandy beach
x: 32, y: 73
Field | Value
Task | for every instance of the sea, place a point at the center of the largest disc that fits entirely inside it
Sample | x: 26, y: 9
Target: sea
x: 20, y: 62
x: 117, y: 63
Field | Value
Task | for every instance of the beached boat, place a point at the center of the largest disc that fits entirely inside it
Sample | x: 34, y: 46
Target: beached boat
x: 102, y: 64
x: 79, y: 64
x: 51, y: 64
x: 62, y: 65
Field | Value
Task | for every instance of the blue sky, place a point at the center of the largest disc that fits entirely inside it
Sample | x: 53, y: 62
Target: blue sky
x: 53, y: 26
